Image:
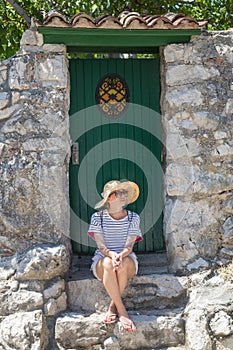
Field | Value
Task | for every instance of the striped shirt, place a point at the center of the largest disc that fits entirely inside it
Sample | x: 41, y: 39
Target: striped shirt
x: 115, y: 232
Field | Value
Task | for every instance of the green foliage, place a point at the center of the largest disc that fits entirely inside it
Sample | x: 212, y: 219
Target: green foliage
x: 218, y: 12
x: 226, y: 272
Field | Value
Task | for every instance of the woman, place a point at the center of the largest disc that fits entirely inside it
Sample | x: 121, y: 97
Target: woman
x: 115, y: 231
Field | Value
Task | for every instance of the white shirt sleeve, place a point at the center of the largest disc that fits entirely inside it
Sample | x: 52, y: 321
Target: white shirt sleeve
x: 95, y: 225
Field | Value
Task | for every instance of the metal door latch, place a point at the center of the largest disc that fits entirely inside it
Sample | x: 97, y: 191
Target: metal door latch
x: 75, y: 154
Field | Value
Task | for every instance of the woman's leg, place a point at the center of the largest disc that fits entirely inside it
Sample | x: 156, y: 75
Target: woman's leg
x: 107, y: 274
x: 115, y: 283
x: 124, y: 273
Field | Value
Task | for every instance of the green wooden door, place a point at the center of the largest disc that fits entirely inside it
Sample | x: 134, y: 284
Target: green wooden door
x: 118, y: 140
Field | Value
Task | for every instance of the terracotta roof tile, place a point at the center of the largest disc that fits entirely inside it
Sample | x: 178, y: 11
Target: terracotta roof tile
x: 82, y: 20
x: 108, y: 22
x: 159, y: 22
x: 174, y: 16
x: 56, y: 19
x: 125, y: 20
x: 133, y: 20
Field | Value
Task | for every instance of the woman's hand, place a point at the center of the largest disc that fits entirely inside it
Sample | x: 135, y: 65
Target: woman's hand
x: 116, y: 260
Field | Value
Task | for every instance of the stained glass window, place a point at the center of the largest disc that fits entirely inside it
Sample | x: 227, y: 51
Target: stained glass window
x: 112, y: 95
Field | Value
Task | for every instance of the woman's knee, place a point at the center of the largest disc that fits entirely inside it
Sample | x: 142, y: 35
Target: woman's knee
x: 107, y: 264
x: 126, y: 265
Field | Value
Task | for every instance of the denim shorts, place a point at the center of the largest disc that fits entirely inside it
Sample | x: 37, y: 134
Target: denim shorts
x: 97, y: 257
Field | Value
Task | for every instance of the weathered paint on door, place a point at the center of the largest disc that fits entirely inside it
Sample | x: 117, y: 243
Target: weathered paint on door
x: 121, y: 147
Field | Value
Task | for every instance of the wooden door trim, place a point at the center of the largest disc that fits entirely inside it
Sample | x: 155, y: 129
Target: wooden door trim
x: 114, y: 40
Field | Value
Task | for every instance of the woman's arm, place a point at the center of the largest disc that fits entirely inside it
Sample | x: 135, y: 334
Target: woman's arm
x: 107, y: 252
x: 128, y: 248
x: 101, y: 244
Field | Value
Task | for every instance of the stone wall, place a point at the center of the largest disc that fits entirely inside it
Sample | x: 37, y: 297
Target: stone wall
x: 197, y: 114
x: 34, y: 151
x: 197, y: 104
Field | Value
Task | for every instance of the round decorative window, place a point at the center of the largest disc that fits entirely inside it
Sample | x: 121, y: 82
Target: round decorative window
x: 112, y: 95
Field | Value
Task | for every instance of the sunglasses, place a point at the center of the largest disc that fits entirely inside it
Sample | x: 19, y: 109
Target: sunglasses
x: 120, y: 193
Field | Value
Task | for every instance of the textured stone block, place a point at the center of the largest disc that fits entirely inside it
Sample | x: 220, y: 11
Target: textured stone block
x: 54, y: 306
x: 6, y: 113
x: 197, y: 336
x: 3, y: 74
x: 4, y: 99
x: 52, y: 72
x: 31, y: 38
x: 24, y: 331
x: 221, y: 324
x: 20, y: 300
x: 142, y: 292
x: 21, y: 73
x: 177, y: 75
x: 43, y: 263
x: 55, y: 289
x: 74, y: 331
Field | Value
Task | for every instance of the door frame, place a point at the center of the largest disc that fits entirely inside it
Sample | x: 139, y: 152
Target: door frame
x: 102, y: 40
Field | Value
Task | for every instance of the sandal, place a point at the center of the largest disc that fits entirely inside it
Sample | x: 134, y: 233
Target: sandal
x: 128, y: 326
x: 110, y: 318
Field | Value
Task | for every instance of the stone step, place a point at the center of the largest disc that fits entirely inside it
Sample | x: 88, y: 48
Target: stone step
x: 78, y: 331
x: 157, y: 291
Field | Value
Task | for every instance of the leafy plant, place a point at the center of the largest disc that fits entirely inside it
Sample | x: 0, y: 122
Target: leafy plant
x: 226, y: 272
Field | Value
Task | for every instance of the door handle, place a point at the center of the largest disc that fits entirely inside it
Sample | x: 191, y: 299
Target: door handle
x: 75, y: 153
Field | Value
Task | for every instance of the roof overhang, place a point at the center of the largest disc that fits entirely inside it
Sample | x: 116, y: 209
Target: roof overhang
x: 115, y: 40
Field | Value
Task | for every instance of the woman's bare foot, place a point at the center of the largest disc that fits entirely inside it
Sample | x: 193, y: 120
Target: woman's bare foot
x: 112, y: 308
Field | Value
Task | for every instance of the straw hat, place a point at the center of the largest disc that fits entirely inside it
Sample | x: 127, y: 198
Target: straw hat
x: 114, y: 185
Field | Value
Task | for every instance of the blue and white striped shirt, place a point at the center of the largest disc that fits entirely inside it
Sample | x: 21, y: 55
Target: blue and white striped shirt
x: 115, y: 232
